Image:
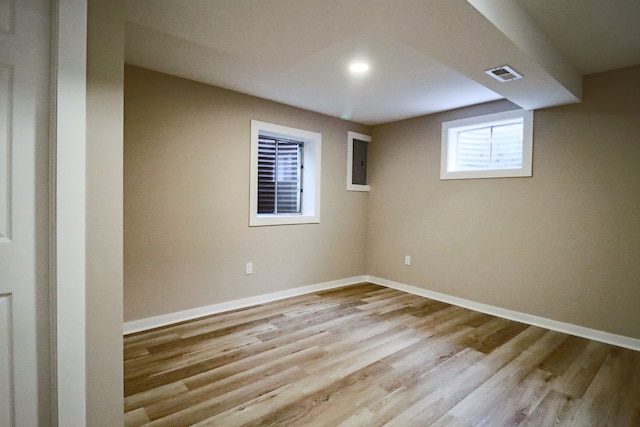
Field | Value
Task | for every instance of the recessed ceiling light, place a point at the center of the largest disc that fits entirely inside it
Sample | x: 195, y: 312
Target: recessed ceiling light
x: 358, y: 67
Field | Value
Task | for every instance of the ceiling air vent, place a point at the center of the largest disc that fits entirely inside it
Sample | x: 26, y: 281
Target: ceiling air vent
x: 504, y: 74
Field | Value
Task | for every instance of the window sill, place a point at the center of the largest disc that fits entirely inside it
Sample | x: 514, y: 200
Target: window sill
x: 495, y: 173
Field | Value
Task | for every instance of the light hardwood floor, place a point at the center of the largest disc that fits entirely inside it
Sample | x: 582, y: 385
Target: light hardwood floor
x: 365, y: 355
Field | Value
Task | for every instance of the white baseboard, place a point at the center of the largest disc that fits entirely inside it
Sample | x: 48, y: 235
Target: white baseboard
x: 181, y: 316
x: 568, y: 328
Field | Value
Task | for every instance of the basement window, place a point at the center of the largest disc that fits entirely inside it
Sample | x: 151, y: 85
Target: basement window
x: 285, y: 175
x: 492, y: 146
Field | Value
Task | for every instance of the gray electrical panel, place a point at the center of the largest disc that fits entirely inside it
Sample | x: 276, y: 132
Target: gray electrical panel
x: 359, y: 170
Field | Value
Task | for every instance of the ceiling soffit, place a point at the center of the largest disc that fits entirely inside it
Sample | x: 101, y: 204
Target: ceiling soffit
x: 426, y: 56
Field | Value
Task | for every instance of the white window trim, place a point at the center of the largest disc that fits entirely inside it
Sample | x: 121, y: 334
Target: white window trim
x: 350, y: 137
x: 488, y: 120
x: 311, y: 175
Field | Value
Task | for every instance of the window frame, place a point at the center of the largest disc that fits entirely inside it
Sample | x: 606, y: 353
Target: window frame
x: 312, y: 148
x: 280, y: 163
x: 450, y: 129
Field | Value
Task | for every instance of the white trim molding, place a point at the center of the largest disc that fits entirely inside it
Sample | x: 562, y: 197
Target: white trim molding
x: 554, y: 325
x: 181, y: 316
x: 68, y: 213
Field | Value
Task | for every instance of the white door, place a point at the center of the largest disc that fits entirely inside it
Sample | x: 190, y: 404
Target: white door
x: 24, y: 205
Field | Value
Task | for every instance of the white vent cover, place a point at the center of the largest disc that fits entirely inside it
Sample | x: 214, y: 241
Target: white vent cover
x: 504, y: 74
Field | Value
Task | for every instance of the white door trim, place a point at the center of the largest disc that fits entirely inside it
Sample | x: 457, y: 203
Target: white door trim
x: 68, y: 173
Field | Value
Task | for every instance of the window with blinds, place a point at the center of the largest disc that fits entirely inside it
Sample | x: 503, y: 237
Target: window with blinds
x: 492, y: 146
x: 283, y: 161
x: 279, y: 176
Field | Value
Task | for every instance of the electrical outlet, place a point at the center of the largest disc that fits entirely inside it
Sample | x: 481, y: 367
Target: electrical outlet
x: 407, y: 260
x: 248, y: 269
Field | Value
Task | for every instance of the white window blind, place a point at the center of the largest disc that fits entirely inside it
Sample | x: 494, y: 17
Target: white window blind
x: 492, y: 147
x: 279, y: 176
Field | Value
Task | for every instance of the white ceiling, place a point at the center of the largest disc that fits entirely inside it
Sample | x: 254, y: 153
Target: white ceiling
x: 425, y: 56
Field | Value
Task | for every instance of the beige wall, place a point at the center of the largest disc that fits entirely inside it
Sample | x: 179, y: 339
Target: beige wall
x: 563, y: 244
x: 105, y: 57
x: 186, y: 177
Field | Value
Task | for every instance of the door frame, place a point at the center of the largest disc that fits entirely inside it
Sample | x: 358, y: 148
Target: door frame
x: 68, y: 212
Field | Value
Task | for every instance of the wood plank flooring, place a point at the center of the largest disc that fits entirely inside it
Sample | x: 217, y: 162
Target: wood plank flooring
x: 365, y: 355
